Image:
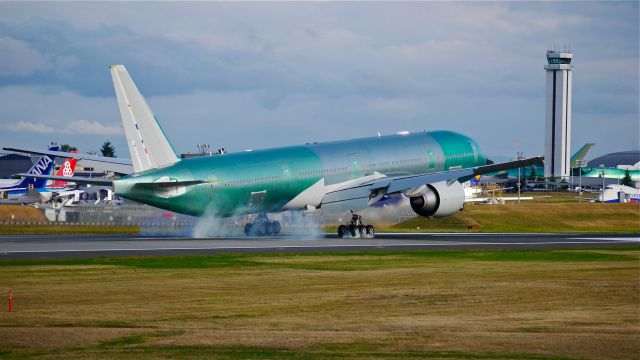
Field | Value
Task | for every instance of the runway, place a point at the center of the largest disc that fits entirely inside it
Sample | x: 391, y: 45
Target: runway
x: 14, y: 247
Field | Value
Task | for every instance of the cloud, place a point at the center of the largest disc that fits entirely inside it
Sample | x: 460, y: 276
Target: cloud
x: 28, y: 126
x: 18, y: 58
x: 287, y: 73
x: 92, y: 127
x: 79, y: 127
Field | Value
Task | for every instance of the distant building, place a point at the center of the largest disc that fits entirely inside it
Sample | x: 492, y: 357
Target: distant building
x: 558, y: 115
x: 621, y: 160
x: 11, y: 164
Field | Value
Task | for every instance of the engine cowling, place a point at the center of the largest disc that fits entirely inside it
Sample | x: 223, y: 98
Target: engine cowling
x: 439, y: 200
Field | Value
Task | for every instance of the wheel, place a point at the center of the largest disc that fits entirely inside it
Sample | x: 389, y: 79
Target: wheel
x: 275, y: 228
x: 371, y: 231
x: 353, y: 230
x: 268, y: 228
x: 247, y: 229
x: 342, y: 231
x: 362, y: 230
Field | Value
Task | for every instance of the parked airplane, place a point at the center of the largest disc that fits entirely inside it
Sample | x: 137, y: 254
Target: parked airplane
x: 427, y: 167
x: 512, y: 174
x: 612, y: 194
x: 613, y: 173
x: 34, y: 180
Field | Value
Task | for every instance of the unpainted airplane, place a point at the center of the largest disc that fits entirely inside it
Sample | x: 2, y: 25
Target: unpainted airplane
x: 426, y: 167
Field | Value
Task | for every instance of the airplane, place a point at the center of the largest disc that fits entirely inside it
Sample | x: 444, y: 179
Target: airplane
x: 612, y: 173
x: 46, y: 193
x: 348, y: 175
x: 512, y: 174
x: 610, y: 194
x: 11, y: 190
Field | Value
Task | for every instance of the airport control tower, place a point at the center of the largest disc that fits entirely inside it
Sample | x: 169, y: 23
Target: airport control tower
x: 558, y: 115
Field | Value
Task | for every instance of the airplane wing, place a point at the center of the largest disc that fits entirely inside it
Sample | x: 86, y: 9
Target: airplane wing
x: 75, y: 179
x: 31, y: 197
x: 363, y: 194
x: 119, y: 165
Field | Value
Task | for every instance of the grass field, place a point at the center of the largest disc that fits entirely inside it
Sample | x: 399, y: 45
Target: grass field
x: 520, y: 304
x: 542, y: 216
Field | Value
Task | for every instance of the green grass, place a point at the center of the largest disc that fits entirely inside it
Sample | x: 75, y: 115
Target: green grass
x: 356, y: 260
x: 344, y: 351
x: 533, y: 217
x: 66, y: 229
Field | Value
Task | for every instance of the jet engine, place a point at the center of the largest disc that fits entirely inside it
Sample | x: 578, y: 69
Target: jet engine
x: 438, y: 200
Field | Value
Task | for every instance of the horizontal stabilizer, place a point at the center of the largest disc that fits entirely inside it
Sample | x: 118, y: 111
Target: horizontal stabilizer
x: 119, y: 165
x: 161, y: 184
x: 75, y: 179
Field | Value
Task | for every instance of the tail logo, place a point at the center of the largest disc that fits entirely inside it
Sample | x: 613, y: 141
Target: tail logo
x: 41, y: 165
x: 66, y: 170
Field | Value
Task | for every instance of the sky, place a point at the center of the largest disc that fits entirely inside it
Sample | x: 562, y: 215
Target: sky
x: 259, y: 75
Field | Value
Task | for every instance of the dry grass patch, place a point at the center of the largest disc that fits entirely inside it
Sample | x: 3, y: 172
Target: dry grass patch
x: 388, y: 305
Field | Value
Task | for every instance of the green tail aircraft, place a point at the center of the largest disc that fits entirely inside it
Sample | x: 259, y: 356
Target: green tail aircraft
x: 350, y: 175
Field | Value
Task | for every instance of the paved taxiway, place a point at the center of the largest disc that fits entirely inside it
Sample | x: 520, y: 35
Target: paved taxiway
x: 90, y: 246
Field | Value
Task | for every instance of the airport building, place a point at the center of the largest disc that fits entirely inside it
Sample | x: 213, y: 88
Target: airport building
x: 621, y: 160
x: 558, y: 115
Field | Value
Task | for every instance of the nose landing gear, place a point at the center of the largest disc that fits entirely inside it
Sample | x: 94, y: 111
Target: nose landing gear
x: 356, y: 229
x: 262, y: 227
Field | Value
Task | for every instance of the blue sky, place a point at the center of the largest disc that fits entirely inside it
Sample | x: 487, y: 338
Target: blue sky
x: 257, y: 75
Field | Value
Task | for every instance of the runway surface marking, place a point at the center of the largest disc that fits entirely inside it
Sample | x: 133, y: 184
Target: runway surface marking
x: 87, y: 246
x: 328, y: 245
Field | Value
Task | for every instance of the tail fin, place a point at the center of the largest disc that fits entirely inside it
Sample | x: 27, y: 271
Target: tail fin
x: 580, y: 154
x: 148, y: 145
x: 67, y: 169
x: 43, y: 166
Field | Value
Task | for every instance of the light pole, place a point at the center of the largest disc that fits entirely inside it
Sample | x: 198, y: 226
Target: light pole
x: 519, y: 157
x: 581, y: 164
x: 602, y: 172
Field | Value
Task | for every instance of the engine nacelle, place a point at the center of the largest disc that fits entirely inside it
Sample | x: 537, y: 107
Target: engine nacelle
x: 439, y: 200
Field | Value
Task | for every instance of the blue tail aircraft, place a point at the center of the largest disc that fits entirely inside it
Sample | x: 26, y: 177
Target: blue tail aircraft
x: 10, y: 188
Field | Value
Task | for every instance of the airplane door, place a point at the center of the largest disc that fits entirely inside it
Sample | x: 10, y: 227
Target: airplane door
x: 431, y: 160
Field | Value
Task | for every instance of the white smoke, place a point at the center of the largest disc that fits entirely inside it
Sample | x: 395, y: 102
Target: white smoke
x: 294, y: 224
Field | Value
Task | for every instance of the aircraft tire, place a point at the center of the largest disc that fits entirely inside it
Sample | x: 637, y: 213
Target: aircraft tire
x: 370, y: 231
x: 342, y: 231
x: 247, y: 229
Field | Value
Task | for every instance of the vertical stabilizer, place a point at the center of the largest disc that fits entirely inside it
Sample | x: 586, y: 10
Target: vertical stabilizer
x: 580, y: 154
x: 148, y: 145
x: 43, y: 166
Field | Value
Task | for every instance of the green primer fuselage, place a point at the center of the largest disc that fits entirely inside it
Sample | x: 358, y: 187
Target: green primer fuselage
x: 270, y: 180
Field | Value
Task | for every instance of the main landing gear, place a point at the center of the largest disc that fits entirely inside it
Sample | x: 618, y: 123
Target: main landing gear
x: 356, y: 228
x: 262, y: 226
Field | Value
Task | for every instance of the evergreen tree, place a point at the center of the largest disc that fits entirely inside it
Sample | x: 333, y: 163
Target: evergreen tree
x: 68, y: 148
x: 626, y: 180
x: 108, y: 150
